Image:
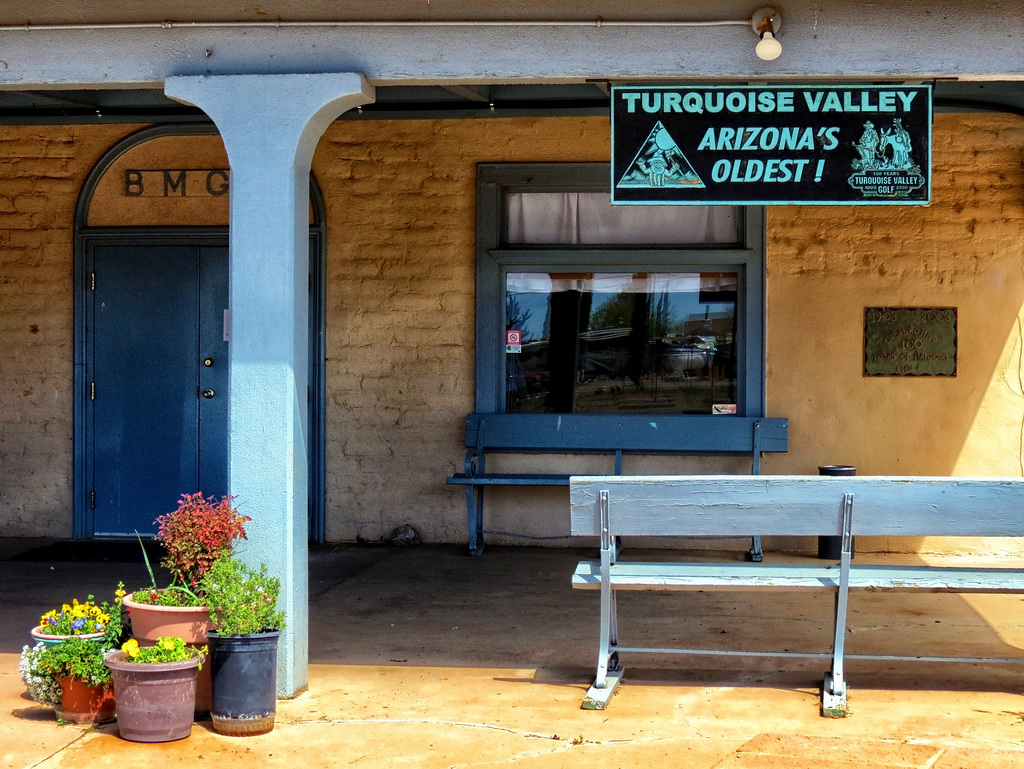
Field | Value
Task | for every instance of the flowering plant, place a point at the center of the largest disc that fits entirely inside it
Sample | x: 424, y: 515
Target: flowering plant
x: 195, y: 535
x: 76, y: 619
x: 242, y: 600
x: 41, y: 683
x: 86, y: 618
x: 80, y: 659
x: 166, y: 649
x: 43, y: 666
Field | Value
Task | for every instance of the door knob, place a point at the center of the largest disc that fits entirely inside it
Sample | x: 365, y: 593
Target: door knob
x: 207, y: 393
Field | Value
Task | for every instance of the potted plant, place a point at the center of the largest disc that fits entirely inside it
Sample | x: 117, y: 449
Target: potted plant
x: 78, y: 666
x: 243, y: 648
x: 194, y: 536
x: 155, y: 689
x: 65, y: 669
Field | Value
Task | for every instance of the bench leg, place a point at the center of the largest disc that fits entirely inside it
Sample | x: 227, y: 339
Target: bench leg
x: 833, y: 691
x: 756, y: 554
x: 475, y: 512
x: 609, y: 672
x: 833, y: 700
x: 597, y: 699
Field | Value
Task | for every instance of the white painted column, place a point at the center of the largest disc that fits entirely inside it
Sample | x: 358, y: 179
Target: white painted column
x: 270, y: 125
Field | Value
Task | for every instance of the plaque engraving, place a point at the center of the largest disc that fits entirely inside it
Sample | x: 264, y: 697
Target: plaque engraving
x: 910, y: 341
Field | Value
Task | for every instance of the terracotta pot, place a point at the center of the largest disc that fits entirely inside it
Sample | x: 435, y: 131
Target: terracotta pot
x: 190, y: 623
x: 38, y: 634
x: 155, y: 700
x: 85, y: 704
x: 149, y: 622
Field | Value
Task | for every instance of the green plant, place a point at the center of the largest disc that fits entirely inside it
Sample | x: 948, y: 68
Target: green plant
x: 242, y: 600
x: 41, y: 683
x: 166, y: 649
x: 195, y: 535
x: 81, y: 659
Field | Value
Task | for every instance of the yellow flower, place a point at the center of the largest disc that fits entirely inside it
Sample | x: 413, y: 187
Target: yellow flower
x: 167, y: 643
x: 131, y: 648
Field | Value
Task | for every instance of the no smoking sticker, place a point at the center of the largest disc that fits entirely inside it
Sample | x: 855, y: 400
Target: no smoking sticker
x: 513, y: 341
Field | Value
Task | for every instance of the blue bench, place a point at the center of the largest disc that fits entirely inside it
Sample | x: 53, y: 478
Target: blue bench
x: 613, y: 435
x: 689, y: 506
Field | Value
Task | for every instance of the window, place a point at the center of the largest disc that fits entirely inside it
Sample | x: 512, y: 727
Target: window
x: 618, y: 309
x: 617, y: 342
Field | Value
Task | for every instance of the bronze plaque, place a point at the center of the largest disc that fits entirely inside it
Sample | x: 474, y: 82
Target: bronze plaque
x: 910, y: 341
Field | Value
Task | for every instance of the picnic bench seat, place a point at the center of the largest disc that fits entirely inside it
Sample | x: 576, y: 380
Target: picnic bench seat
x: 613, y: 435
x: 686, y: 506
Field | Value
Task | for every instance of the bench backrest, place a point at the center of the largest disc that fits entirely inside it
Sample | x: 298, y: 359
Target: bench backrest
x: 739, y: 505
x: 668, y: 433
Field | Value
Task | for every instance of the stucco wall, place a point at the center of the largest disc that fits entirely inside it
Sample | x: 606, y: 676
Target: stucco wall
x: 41, y: 172
x: 400, y: 336
x: 965, y: 250
x: 400, y: 199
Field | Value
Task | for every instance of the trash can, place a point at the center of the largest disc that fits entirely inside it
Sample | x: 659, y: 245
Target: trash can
x: 831, y: 548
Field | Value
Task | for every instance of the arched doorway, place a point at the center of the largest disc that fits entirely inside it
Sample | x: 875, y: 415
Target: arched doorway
x: 152, y: 327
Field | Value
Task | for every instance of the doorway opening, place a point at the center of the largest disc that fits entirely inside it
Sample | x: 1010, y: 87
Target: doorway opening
x: 151, y: 333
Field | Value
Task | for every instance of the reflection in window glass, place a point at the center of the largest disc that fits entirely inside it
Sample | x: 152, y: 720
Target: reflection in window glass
x: 659, y: 343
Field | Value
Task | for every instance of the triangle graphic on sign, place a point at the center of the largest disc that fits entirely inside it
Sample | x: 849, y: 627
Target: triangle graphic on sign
x: 660, y: 163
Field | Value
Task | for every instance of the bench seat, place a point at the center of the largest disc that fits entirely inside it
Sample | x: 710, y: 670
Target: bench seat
x: 646, y: 575
x: 510, y: 479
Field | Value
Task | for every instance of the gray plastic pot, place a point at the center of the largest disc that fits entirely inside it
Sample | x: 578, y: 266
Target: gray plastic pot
x: 244, y: 673
x: 155, y: 700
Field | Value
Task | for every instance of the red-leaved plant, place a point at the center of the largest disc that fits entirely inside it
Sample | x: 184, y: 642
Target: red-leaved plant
x: 197, y: 534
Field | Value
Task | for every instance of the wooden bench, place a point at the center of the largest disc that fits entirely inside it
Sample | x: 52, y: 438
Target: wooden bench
x: 687, y: 506
x: 614, y: 435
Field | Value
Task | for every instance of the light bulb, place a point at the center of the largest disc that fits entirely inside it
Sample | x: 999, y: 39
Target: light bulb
x: 768, y: 48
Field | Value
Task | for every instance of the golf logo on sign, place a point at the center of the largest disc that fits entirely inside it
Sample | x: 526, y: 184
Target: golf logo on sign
x: 884, y: 166
x: 660, y: 163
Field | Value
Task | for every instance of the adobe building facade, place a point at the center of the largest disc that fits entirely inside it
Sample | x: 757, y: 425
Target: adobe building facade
x: 400, y: 313
x: 392, y: 229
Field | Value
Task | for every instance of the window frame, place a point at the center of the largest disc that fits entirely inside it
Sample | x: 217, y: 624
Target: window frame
x: 495, y: 259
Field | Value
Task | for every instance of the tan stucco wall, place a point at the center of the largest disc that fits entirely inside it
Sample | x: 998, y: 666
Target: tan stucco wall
x: 42, y: 169
x: 966, y: 250
x: 400, y: 199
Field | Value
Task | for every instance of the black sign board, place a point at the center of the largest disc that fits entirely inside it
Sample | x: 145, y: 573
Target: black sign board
x: 910, y: 341
x: 764, y: 145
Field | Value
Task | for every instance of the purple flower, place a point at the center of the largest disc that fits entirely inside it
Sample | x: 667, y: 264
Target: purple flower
x: 52, y: 620
x: 78, y: 624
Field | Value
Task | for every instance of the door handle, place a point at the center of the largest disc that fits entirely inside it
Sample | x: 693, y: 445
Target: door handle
x: 207, y: 393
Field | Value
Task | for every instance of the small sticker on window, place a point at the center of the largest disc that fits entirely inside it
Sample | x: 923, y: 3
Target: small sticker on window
x: 723, y: 408
x: 513, y: 341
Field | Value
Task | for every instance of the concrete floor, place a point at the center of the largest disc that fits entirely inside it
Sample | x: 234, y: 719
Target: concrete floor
x: 423, y: 657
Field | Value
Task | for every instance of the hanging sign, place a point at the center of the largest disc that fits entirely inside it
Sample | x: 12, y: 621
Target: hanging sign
x: 766, y: 145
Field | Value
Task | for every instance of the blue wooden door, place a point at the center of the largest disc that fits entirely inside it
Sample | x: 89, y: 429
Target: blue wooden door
x: 158, y: 381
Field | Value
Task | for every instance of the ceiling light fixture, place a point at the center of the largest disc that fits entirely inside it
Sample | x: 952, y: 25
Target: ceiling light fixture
x: 766, y: 23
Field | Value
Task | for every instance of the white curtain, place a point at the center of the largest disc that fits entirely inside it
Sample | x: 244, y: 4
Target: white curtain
x: 589, y: 218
